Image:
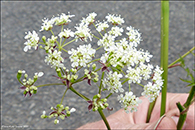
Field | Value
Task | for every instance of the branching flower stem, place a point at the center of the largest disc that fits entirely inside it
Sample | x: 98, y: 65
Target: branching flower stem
x: 49, y: 84
x: 63, y: 95
x: 173, y: 63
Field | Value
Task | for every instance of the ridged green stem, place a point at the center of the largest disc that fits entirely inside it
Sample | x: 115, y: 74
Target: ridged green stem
x: 104, y: 119
x: 164, y: 51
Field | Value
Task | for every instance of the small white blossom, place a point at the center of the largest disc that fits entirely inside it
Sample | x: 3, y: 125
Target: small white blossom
x: 72, y: 110
x: 112, y: 82
x: 115, y: 19
x: 106, y: 41
x: 32, y: 41
x: 66, y: 33
x: 54, y: 59
x: 152, y: 90
x: 134, y: 36
x: 129, y: 101
x: 134, y: 75
x: 83, y: 32
x: 82, y: 55
x: 39, y: 74
x: 101, y: 26
x: 63, y: 19
x: 90, y: 19
x: 47, y: 24
x: 116, y: 31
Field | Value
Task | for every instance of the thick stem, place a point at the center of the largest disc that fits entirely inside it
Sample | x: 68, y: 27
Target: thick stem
x: 164, y: 51
x: 151, y: 106
x: 104, y: 119
x: 184, y: 109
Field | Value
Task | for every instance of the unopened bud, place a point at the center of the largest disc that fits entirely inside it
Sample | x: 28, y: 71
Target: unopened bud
x: 44, y: 39
x: 94, y: 66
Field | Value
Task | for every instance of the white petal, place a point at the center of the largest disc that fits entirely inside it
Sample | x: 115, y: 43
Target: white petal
x: 72, y: 110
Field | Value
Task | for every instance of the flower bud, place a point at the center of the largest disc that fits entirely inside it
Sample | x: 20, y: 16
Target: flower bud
x: 56, y: 121
x: 66, y: 108
x: 41, y: 47
x: 19, y: 74
x: 25, y: 75
x: 44, y: 39
x: 94, y: 66
x: 62, y: 117
x: 58, y: 72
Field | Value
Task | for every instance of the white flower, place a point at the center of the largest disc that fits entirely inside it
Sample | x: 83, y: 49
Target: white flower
x: 39, y: 74
x: 129, y: 101
x: 83, y: 32
x: 115, y: 19
x: 112, y: 82
x: 72, y: 110
x: 90, y: 19
x: 146, y: 70
x: 32, y: 40
x: 152, y: 90
x: 106, y: 41
x: 63, y: 19
x: 82, y: 55
x: 54, y: 59
x: 101, y: 26
x: 52, y: 40
x: 66, y: 33
x: 133, y: 75
x: 116, y: 31
x: 134, y: 36
x: 47, y: 24
x: 56, y: 121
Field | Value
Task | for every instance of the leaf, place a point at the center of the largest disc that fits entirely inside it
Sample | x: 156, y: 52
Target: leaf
x: 192, y: 84
x: 184, y: 80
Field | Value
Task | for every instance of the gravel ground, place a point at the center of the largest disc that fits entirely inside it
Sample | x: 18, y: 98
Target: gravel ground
x: 19, y: 17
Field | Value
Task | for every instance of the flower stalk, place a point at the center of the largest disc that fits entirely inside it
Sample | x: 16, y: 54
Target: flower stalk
x: 104, y: 119
x: 164, y: 51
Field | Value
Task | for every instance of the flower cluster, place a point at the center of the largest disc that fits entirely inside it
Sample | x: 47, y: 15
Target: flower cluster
x: 123, y: 62
x: 152, y: 89
x: 62, y: 19
x: 129, y: 100
x: 59, y: 111
x: 32, y: 40
x: 28, y: 84
x: 97, y: 103
x: 54, y: 59
x: 82, y: 55
x: 112, y: 82
x: 91, y: 75
x: 115, y: 20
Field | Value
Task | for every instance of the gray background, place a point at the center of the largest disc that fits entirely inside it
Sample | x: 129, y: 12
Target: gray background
x: 19, y: 17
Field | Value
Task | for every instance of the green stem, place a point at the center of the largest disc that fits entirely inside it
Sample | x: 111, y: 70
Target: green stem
x: 79, y: 94
x: 164, y: 51
x: 69, y: 42
x: 104, y: 118
x: 49, y: 84
x: 63, y: 95
x: 190, y: 97
x: 108, y: 95
x: 184, y: 109
x: 101, y: 82
x: 150, y: 108
x: 182, y: 56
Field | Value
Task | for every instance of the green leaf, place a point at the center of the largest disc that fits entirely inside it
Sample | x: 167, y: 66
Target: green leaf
x: 184, y: 80
x: 192, y: 84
